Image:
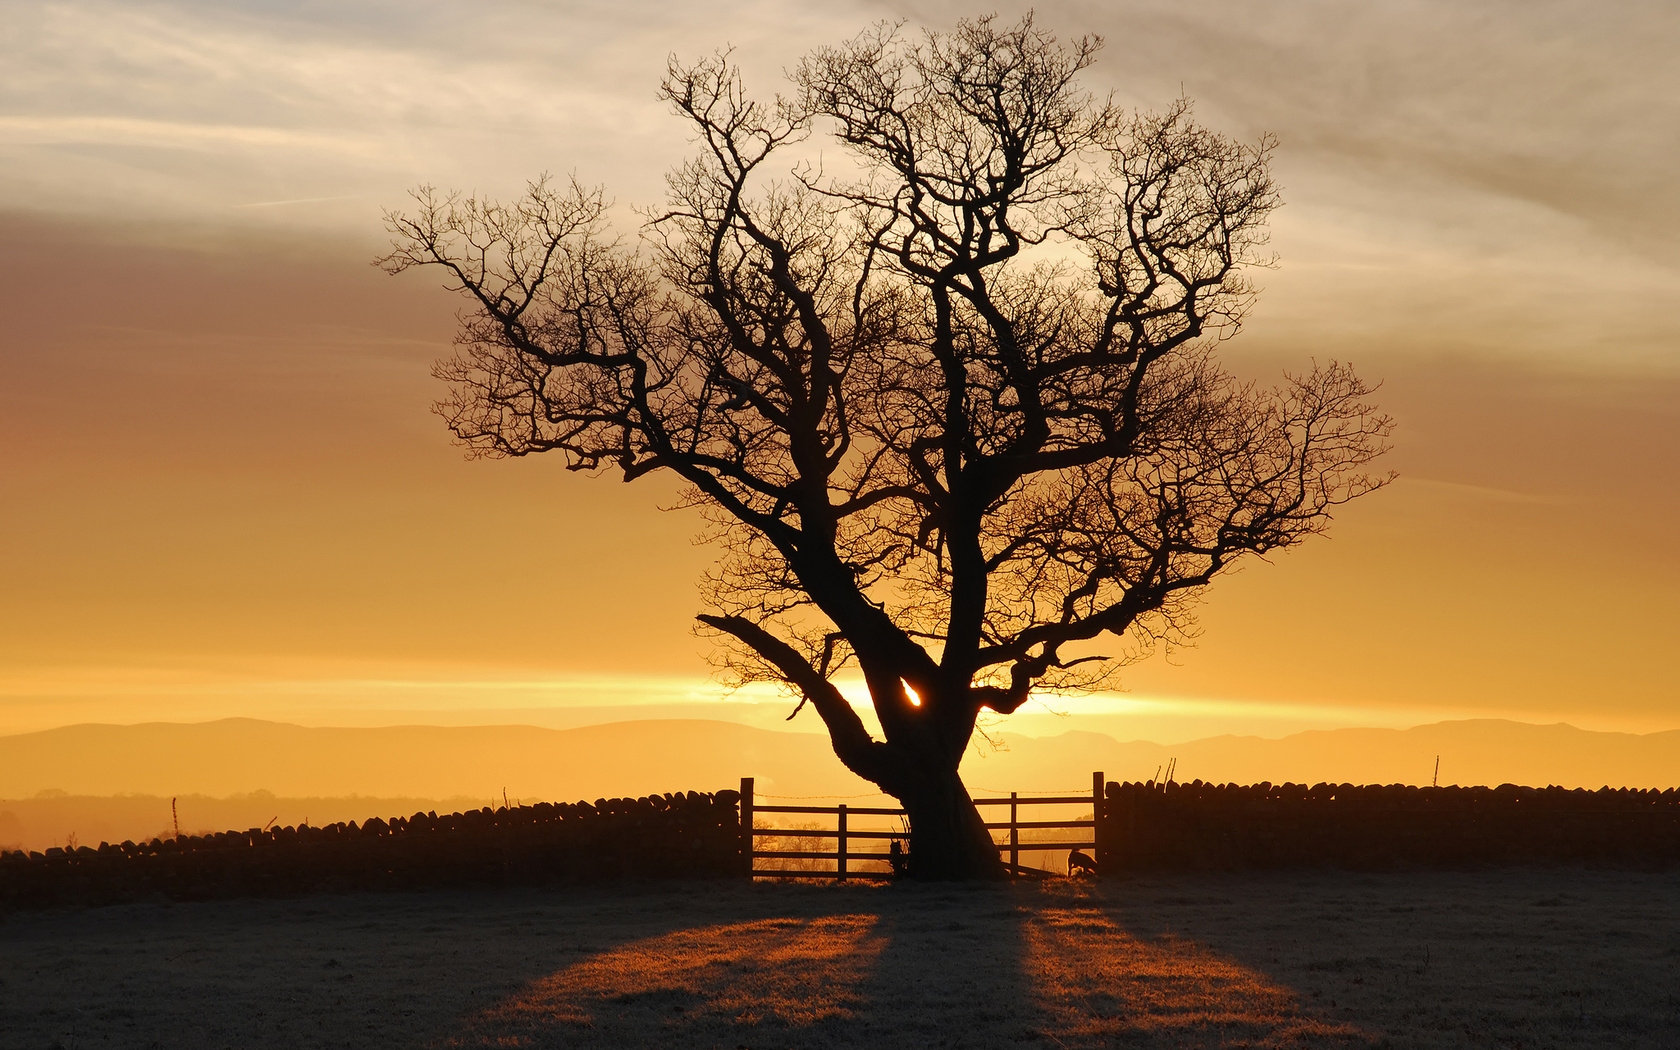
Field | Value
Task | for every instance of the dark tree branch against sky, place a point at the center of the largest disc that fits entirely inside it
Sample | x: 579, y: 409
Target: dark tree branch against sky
x: 225, y: 496
x: 951, y: 403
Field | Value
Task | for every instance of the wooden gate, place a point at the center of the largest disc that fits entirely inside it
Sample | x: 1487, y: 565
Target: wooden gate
x: 1083, y: 835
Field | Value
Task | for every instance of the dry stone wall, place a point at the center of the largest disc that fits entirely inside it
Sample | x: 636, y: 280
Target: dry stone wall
x: 658, y: 836
x: 1227, y: 826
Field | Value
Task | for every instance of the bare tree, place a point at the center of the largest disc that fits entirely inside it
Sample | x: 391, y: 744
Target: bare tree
x: 954, y: 415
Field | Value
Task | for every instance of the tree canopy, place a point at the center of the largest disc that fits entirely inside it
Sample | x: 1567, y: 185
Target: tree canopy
x: 952, y: 409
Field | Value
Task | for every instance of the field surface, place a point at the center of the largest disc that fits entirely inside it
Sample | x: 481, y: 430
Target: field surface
x: 1502, y: 958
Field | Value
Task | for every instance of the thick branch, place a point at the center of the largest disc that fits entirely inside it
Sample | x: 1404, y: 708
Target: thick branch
x: 868, y: 758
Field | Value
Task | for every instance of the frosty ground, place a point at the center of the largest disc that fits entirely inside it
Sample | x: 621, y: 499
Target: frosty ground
x: 1534, y: 958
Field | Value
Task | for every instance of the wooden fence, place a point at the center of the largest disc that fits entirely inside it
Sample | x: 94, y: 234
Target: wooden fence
x: 1088, y: 834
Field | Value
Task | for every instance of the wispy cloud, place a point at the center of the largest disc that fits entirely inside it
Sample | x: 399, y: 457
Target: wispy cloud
x: 370, y: 97
x: 1457, y: 176
x: 167, y: 134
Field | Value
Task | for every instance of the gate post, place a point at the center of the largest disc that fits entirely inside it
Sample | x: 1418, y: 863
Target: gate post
x: 1102, y: 833
x: 747, y: 826
x: 840, y: 854
x: 1014, y: 836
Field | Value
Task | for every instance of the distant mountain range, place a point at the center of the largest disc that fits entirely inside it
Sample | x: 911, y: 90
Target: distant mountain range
x: 236, y: 756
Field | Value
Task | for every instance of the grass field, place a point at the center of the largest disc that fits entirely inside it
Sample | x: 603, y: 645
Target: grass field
x: 1499, y: 958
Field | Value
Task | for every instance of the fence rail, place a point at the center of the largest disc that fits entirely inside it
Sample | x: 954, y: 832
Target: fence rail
x: 843, y: 834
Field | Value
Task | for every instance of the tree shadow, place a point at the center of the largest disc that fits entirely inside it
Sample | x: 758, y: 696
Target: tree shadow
x: 926, y: 966
x: 949, y: 973
x: 1532, y: 957
x: 899, y: 966
x: 392, y: 969
x: 724, y: 984
x: 1053, y: 964
x: 1105, y: 980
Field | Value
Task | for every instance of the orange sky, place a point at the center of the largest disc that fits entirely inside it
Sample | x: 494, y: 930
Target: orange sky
x: 221, y: 491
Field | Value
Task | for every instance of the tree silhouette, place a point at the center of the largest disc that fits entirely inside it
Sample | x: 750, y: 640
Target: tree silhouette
x: 953, y: 412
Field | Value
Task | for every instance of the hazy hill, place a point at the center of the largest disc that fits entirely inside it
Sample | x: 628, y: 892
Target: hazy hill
x: 240, y: 755
x: 237, y: 756
x: 1482, y: 751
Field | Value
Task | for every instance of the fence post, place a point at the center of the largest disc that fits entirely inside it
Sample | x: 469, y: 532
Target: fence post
x: 747, y: 844
x: 1100, y: 830
x: 1014, y: 837
x: 840, y: 855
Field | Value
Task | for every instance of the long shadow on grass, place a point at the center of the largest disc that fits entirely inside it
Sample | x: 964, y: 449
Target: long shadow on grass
x: 1533, y: 957
x: 1051, y: 965
x: 1108, y: 979
x: 373, y: 970
x: 950, y: 972
x: 817, y: 967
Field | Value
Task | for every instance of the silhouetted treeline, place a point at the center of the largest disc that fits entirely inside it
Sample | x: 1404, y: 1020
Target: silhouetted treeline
x: 1197, y: 825
x: 672, y: 835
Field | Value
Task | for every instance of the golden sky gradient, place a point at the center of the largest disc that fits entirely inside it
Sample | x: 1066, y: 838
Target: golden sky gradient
x: 222, y: 493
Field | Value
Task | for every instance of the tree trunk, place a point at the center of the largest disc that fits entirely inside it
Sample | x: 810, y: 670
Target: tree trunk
x: 948, y: 837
